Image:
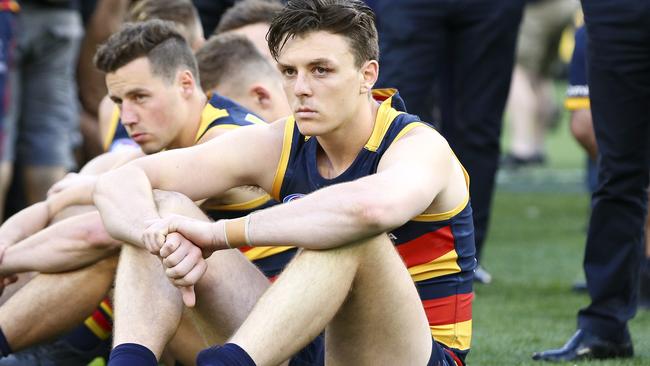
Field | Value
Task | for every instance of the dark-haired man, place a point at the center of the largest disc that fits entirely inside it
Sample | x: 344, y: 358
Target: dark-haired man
x: 353, y: 174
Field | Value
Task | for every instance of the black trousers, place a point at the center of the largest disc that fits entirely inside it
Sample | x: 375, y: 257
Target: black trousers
x: 464, y: 48
x: 619, y: 85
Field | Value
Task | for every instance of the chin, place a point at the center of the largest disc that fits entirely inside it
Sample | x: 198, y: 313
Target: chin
x: 310, y: 127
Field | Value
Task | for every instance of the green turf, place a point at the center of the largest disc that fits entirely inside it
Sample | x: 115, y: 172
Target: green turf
x: 534, y: 252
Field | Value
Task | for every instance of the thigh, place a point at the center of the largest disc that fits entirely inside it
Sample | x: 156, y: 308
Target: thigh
x: 226, y: 294
x: 382, y: 322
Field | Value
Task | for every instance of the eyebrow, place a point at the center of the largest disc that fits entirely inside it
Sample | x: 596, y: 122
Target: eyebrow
x: 318, y: 61
x: 129, y: 93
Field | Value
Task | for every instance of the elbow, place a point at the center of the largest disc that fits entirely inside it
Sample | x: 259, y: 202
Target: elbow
x: 373, y: 216
x: 96, y: 235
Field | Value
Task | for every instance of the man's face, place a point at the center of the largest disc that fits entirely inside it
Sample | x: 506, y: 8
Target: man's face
x: 151, y: 109
x: 321, y: 81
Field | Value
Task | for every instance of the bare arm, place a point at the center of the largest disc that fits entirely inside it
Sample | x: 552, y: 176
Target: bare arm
x: 66, y: 245
x: 241, y: 157
x: 75, y: 189
x: 411, y: 174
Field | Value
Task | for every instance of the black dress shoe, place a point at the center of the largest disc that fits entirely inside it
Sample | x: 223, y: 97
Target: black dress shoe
x: 585, y: 345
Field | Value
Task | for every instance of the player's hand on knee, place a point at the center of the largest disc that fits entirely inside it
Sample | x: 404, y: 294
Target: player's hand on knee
x: 155, y: 235
x: 200, y: 233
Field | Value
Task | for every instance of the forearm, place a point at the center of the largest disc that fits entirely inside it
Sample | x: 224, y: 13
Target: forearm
x: 125, y: 202
x: 78, y: 195
x: 25, y: 223
x: 335, y: 216
x: 69, y: 244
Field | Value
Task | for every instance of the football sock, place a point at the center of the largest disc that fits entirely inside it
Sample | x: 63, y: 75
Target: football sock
x: 95, y: 329
x: 131, y: 354
x: 229, y: 354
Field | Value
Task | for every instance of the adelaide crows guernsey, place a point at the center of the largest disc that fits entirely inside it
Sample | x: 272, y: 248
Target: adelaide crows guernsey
x: 438, y: 249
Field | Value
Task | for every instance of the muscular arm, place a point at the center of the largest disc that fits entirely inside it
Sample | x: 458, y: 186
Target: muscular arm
x: 241, y: 157
x: 418, y: 174
x: 413, y: 172
x: 64, y: 194
x: 410, y: 175
x: 66, y: 245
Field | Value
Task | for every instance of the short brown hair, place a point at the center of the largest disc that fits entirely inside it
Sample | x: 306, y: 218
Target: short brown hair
x: 248, y: 12
x: 181, y: 12
x: 349, y: 18
x: 157, y: 40
x: 230, y: 57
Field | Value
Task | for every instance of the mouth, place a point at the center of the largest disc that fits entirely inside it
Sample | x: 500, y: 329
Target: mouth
x: 304, y: 112
x: 139, y: 137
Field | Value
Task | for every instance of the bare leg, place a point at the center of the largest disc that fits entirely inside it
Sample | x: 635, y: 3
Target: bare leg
x: 187, y: 342
x: 41, y: 309
x: 523, y: 107
x: 225, y: 294
x: 362, y: 293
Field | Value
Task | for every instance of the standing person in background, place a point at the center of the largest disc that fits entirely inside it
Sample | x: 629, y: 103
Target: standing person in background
x: 618, y: 61
x: 531, y: 105
x: 43, y: 121
x: 470, y: 46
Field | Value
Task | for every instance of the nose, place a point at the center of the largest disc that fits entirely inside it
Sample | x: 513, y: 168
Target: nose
x: 128, y: 115
x: 301, y: 86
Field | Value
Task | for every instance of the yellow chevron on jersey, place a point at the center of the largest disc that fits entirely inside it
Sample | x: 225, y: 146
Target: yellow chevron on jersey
x: 210, y: 114
x: 113, y: 126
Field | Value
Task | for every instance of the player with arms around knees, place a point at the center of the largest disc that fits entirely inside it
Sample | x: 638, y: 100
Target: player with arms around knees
x: 353, y: 173
x: 203, y: 119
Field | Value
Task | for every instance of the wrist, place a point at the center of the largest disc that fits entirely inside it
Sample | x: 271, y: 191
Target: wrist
x: 236, y: 232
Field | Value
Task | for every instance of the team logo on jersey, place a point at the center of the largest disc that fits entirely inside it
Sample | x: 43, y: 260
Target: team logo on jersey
x: 292, y: 197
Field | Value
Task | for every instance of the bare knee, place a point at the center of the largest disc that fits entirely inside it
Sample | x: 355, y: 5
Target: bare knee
x: 349, y: 256
x: 169, y: 201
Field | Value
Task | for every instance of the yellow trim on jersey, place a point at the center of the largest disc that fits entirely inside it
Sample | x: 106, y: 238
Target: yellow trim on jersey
x: 115, y: 119
x: 289, y: 125
x: 263, y: 252
x: 384, y: 92
x: 254, y: 119
x: 210, y: 114
x: 457, y: 335
x: 573, y: 104
x: 385, y: 117
x: 441, y: 266
x: 104, y: 305
x: 248, y: 205
x: 96, y: 329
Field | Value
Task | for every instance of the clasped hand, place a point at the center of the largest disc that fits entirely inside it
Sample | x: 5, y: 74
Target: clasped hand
x: 183, y: 244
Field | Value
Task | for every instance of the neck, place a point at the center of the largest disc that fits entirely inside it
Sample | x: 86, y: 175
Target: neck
x: 193, y: 120
x: 341, y: 146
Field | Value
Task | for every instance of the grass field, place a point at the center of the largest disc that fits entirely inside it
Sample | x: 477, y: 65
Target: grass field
x: 534, y: 252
